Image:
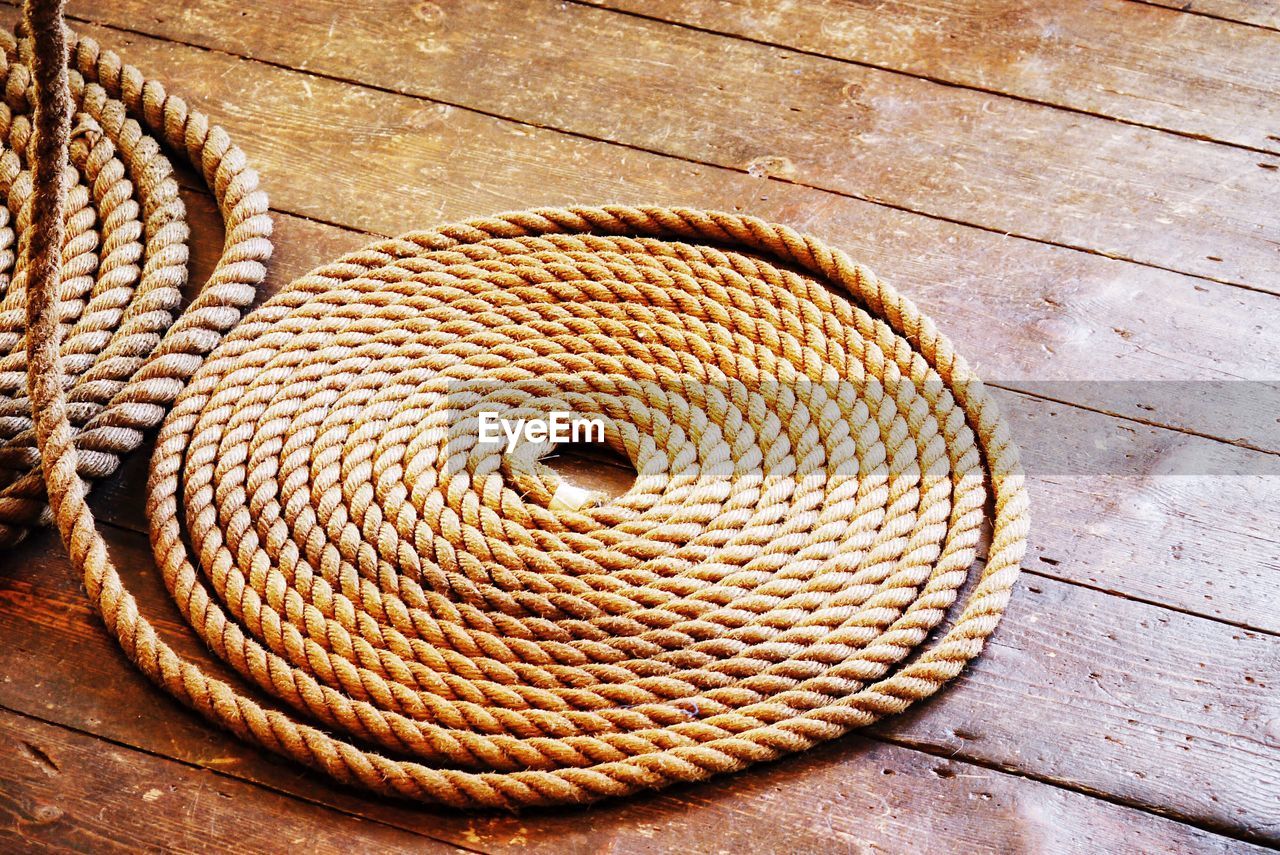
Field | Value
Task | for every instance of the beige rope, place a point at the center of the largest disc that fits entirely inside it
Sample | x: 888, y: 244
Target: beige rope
x: 810, y: 456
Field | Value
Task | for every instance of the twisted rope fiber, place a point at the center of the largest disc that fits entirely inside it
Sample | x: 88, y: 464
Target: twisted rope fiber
x: 124, y: 263
x: 809, y: 499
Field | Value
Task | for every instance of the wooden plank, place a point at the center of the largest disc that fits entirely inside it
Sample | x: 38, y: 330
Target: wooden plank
x: 1142, y: 64
x: 1004, y: 164
x: 1261, y: 13
x: 69, y: 791
x: 1161, y: 516
x: 1140, y: 683
x: 853, y: 794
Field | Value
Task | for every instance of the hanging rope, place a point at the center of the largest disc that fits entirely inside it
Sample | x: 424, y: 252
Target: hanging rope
x: 810, y: 454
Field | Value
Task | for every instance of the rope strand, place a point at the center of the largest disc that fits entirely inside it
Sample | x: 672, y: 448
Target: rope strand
x: 809, y: 499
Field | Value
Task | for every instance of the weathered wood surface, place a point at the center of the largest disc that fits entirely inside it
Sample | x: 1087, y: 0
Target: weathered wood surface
x: 1142, y: 64
x: 60, y: 789
x: 1128, y: 703
x: 840, y: 793
x: 1263, y: 13
x: 997, y: 162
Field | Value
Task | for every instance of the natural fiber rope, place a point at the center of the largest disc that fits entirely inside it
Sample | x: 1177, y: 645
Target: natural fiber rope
x: 808, y: 503
x: 124, y: 262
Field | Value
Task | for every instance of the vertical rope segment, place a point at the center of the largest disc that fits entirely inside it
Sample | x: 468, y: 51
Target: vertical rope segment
x: 812, y: 462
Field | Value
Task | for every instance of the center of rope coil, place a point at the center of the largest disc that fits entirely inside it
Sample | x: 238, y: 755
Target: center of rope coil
x: 438, y: 619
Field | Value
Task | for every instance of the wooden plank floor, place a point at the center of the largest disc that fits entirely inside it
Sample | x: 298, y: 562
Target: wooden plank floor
x: 1086, y: 197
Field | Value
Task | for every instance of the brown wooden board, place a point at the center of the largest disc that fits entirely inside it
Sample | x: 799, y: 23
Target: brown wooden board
x: 1262, y: 13
x: 60, y: 666
x: 1142, y: 64
x: 63, y: 790
x: 997, y: 162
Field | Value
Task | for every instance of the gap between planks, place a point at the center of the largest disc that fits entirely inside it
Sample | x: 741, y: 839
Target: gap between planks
x: 1188, y: 7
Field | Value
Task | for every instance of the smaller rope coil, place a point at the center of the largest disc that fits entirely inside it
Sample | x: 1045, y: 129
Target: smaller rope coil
x: 433, y: 621
x: 124, y: 264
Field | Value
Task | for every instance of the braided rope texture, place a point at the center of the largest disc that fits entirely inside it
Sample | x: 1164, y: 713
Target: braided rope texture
x: 812, y: 464
x: 123, y: 264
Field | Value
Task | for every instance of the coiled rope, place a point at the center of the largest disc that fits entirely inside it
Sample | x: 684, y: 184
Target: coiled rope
x: 124, y: 263
x: 809, y: 500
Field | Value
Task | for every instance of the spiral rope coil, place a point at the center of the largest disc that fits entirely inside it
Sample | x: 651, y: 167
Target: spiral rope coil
x: 811, y: 456
x: 124, y: 263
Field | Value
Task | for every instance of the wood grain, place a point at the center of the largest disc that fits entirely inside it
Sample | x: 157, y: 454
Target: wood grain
x: 840, y: 793
x: 63, y: 790
x: 1000, y: 163
x: 1262, y: 13
x: 1143, y: 64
